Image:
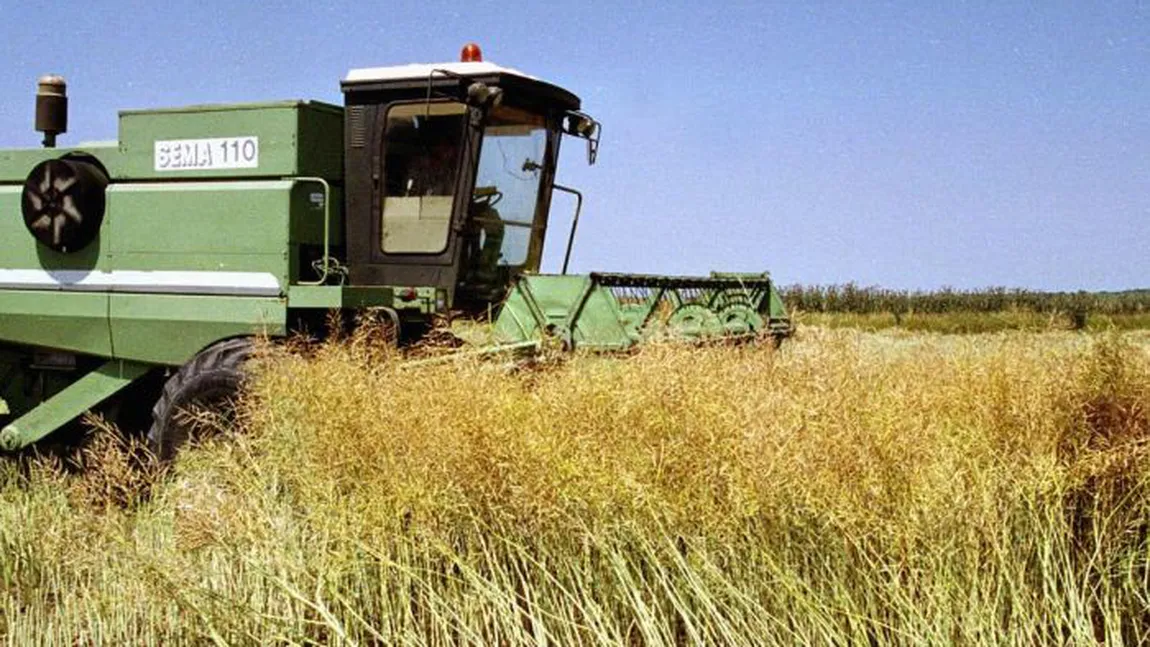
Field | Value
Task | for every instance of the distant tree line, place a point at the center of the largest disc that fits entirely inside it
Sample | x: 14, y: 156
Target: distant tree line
x: 854, y: 299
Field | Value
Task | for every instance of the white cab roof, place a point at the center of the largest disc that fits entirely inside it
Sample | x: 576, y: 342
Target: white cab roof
x: 424, y: 70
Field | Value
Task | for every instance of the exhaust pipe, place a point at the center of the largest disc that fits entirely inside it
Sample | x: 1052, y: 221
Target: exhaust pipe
x: 51, y: 108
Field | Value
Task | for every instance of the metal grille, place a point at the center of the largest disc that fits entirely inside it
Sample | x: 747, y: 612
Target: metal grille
x: 716, y: 281
x: 357, y: 126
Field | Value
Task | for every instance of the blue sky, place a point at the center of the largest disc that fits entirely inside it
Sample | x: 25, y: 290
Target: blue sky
x: 907, y: 144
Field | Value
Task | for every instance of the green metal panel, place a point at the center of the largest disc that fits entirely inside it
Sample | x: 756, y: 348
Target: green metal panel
x: 160, y: 328
x: 159, y: 237
x: 316, y: 296
x: 20, y: 250
x: 216, y: 237
x: 294, y: 138
x: 74, y: 321
x: 566, y: 306
x: 319, y: 143
x: 57, y: 411
x: 225, y: 226
x: 170, y: 329
x: 17, y: 162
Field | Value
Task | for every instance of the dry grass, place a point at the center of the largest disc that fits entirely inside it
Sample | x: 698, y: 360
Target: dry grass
x: 890, y: 488
x: 967, y: 322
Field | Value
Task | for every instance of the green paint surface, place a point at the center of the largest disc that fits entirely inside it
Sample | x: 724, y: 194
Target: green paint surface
x: 15, y: 163
x: 74, y: 321
x: 170, y: 329
x: 221, y: 226
x: 295, y: 138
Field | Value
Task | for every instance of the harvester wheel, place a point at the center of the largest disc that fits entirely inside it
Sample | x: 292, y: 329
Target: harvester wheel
x: 198, y: 396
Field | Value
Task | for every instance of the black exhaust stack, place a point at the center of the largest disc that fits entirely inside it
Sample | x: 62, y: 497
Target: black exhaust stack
x: 51, y: 108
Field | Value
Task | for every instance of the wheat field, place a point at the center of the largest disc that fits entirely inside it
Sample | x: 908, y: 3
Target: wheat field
x: 849, y: 488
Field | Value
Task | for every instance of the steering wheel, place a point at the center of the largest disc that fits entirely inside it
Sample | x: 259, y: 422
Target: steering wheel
x: 486, y: 196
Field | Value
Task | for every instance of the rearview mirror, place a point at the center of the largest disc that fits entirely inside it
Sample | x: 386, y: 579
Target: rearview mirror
x: 583, y: 126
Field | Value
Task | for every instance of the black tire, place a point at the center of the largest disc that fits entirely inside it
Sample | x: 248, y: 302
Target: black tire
x: 209, y: 381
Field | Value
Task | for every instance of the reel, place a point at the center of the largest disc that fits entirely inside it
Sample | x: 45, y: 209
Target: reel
x: 693, y: 320
x: 740, y: 319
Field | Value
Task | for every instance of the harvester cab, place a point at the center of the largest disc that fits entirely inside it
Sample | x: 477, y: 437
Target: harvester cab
x: 139, y: 270
x: 449, y: 171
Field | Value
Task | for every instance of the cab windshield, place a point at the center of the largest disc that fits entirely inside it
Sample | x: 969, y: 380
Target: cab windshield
x: 504, y: 203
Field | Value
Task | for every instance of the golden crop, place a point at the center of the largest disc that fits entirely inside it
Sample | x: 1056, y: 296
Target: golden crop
x: 850, y: 488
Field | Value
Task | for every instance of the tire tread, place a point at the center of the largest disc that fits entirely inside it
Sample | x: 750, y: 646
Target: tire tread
x: 227, y: 356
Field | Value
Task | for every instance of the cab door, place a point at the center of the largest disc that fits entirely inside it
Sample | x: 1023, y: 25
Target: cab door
x: 418, y: 195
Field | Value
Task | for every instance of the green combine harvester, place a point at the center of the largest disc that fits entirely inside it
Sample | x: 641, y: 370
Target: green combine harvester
x: 134, y: 274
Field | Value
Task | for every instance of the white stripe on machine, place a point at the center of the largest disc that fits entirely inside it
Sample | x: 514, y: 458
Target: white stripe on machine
x: 167, y: 282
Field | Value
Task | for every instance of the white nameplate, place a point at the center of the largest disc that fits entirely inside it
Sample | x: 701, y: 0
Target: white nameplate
x: 207, y: 154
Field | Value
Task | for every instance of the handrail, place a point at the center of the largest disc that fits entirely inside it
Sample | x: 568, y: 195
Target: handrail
x: 326, y: 262
x: 574, y: 222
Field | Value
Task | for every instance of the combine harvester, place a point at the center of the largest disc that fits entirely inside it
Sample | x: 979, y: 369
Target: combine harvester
x: 140, y: 270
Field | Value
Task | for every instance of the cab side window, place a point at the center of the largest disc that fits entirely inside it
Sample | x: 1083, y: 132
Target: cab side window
x: 422, y: 146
